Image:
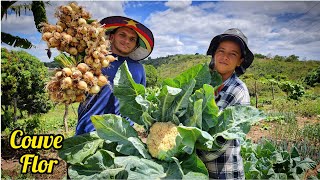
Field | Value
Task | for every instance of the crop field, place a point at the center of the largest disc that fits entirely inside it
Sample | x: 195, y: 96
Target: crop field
x: 286, y: 142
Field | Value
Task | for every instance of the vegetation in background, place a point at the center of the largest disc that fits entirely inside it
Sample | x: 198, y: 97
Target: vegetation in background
x: 23, y: 79
x: 287, y: 132
x: 52, y: 64
x: 291, y: 58
x: 266, y: 161
x: 313, y: 78
x: 152, y: 76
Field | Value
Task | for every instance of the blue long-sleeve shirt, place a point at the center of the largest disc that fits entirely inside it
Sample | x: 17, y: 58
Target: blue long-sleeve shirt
x: 105, y: 102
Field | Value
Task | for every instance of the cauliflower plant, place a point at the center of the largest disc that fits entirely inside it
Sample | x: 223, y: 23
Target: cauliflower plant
x: 161, y: 140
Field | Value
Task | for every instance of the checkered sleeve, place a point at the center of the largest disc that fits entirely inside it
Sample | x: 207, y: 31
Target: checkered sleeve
x: 226, y: 163
x: 235, y: 94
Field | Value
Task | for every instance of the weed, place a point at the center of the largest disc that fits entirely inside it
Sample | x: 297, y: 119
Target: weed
x: 265, y: 127
x: 312, y: 132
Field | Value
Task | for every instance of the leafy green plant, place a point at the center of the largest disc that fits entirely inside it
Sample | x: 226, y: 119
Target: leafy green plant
x: 281, y: 117
x: 313, y: 77
x: 187, y: 101
x: 29, y: 125
x: 288, y: 134
x: 293, y: 90
x: 265, y: 127
x: 265, y: 161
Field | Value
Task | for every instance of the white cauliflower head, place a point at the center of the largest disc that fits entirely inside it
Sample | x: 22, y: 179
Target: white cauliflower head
x: 161, y: 140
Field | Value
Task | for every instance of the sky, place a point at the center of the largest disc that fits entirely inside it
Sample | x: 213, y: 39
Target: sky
x: 187, y: 27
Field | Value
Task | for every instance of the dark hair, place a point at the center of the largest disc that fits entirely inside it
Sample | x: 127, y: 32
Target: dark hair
x: 115, y: 30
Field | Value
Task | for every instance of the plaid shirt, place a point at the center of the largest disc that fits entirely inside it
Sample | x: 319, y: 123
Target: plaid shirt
x: 227, y: 162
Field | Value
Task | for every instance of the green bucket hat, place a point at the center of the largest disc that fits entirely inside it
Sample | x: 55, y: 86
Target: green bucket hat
x: 237, y: 36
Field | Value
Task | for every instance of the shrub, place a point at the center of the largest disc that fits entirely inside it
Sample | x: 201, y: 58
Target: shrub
x: 313, y: 77
x: 23, y: 80
x: 152, y: 75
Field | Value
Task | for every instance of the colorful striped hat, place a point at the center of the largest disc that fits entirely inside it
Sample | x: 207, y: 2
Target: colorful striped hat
x: 146, y: 40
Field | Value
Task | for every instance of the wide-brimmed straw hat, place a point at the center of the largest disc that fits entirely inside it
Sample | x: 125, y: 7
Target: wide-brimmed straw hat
x: 146, y: 40
x: 237, y: 36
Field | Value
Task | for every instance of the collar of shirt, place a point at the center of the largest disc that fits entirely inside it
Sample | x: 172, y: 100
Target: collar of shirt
x: 222, y: 88
x: 121, y: 58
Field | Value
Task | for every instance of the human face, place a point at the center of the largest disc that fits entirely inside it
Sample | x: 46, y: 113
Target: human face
x: 123, y: 41
x: 227, y: 57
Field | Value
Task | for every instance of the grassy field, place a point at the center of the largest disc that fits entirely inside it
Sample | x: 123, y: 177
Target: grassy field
x: 52, y: 122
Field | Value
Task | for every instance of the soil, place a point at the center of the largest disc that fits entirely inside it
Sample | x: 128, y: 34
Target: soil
x: 257, y: 132
x: 10, y: 166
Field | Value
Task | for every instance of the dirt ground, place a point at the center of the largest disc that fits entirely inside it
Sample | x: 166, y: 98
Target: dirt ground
x: 10, y: 166
x: 257, y: 132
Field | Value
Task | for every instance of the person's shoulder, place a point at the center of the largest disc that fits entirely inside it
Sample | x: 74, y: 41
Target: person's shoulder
x: 238, y: 84
x: 135, y: 66
x: 133, y: 62
x: 235, y: 80
x: 241, y: 91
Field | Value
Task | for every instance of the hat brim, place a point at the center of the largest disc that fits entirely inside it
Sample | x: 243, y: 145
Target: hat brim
x: 247, y: 54
x: 146, y: 39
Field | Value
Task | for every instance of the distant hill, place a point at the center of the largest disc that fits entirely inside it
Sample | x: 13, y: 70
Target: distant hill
x: 173, y: 65
x: 51, y: 64
x: 294, y: 71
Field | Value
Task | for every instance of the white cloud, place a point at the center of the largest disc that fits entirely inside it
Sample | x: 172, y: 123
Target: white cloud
x: 264, y: 23
x: 168, y: 46
x: 102, y: 9
x: 207, y: 5
x: 178, y: 5
x: 282, y: 28
x: 134, y: 4
x: 18, y: 24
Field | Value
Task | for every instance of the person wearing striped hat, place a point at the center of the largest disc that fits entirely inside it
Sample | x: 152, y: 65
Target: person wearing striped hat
x: 130, y: 41
x: 230, y: 58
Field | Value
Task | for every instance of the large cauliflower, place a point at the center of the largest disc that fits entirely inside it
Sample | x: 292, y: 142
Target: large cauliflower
x: 161, y: 140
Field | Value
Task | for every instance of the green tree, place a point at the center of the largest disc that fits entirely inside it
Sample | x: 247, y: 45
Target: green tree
x: 279, y: 58
x: 152, y: 75
x: 292, y: 58
x: 39, y: 14
x: 23, y: 78
x: 313, y: 77
x: 260, y: 56
x: 293, y: 90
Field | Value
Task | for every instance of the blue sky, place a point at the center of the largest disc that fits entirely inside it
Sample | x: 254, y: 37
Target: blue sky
x: 187, y: 27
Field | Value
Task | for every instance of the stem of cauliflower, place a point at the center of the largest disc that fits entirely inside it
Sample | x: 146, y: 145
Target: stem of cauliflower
x: 161, y: 140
